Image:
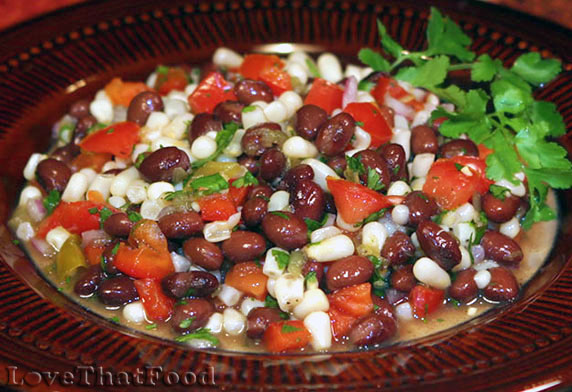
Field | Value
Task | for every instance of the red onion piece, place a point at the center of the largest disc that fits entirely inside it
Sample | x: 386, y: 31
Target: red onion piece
x: 94, y: 236
x: 399, y: 107
x: 42, y: 246
x: 350, y: 91
x: 36, y: 209
x: 478, y: 253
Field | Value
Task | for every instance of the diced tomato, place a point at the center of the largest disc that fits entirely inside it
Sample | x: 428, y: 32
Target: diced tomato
x: 93, y: 252
x: 425, y: 300
x: 450, y: 186
x: 211, y: 91
x: 238, y: 195
x: 75, y: 217
x: 373, y: 121
x: 324, y: 94
x: 174, y: 79
x: 117, y: 139
x: 147, y: 255
x: 248, y: 278
x: 341, y: 323
x: 385, y: 85
x: 158, y: 307
x: 255, y: 65
x: 121, y: 93
x: 90, y: 160
x: 217, y: 207
x: 278, y: 80
x: 352, y: 300
x: 286, y: 335
x: 380, y: 89
x: 356, y: 202
x: 484, y: 151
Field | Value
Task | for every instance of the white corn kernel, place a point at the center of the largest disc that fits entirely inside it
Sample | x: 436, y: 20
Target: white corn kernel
x: 517, y: 190
x: 465, y: 260
x: 417, y: 184
x: 228, y: 58
x: 102, y: 110
x: 270, y: 284
x: 178, y: 126
x: 157, y: 189
x: 400, y: 214
x: 353, y: 70
x: 398, y: 188
x: 362, y: 139
x: 289, y: 290
x: 482, y: 279
x: 75, y: 188
x: 415, y: 240
x: 250, y: 303
x: 203, y: 147
x: 301, y: 58
x: 421, y: 164
x: 215, y: 323
x: 318, y: 324
x: 464, y: 233
x: 32, y: 164
x: 122, y: 180
x: 164, y: 141
x: 466, y: 171
x: 465, y: 213
x: 374, y: 235
x: 297, y: 71
x: 116, y: 201
x: 25, y: 231
x: 157, y: 120
x: 174, y: 107
x: 30, y: 192
x: 181, y: 263
x: 278, y: 201
x: 321, y: 171
x: 402, y: 137
x: 330, y: 67
x: 102, y: 184
x: 342, y: 224
x: 292, y: 100
x: 429, y: 272
x: 57, y: 237
x: 150, y: 209
x: 136, y: 192
x: 89, y: 174
x: 314, y: 300
x: 229, y: 295
x: 510, y: 228
x: 253, y: 117
x: 403, y: 311
x: 421, y: 117
x: 298, y: 147
x: 151, y: 80
x: 271, y: 267
x: 449, y: 219
x: 138, y: 149
x: 330, y: 249
x: 234, y: 322
x: 276, y: 111
x: 190, y: 88
x: 176, y: 94
x: 261, y: 104
x: 220, y: 230
x: 234, y: 149
x: 134, y: 312
x: 324, y: 233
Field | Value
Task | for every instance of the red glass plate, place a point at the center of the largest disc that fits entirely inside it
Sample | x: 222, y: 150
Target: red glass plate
x: 48, y: 63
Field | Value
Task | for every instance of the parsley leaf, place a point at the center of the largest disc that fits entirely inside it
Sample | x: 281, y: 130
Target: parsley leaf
x: 287, y: 328
x: 209, y: 184
x: 498, y: 191
x: 315, y: 225
x: 201, y: 333
x: 428, y: 75
x: 134, y: 216
x: 51, y: 201
x: 355, y: 164
x: 374, y: 60
x: 532, y: 68
x: 446, y: 37
x: 282, y: 258
x: 311, y: 277
x: 248, y: 109
x: 280, y: 214
x: 314, y: 71
x: 485, y: 68
x: 374, y: 180
x: 186, y: 323
x: 270, y: 302
x: 246, y: 180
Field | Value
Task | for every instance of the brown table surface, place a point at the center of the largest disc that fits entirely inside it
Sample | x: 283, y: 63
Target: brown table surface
x: 16, y: 11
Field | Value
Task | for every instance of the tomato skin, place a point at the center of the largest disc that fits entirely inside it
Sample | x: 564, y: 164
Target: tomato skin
x: 478, y: 167
x: 174, y: 79
x: 121, y: 93
x: 385, y: 85
x: 147, y: 255
x: 373, y: 121
x: 74, y: 217
x: 93, y: 253
x: 210, y: 92
x: 91, y: 160
x: 254, y: 65
x: 248, y: 278
x: 117, y: 139
x: 217, y: 207
x: 347, y: 305
x: 356, y: 202
x: 425, y: 300
x: 324, y: 94
x: 158, y: 307
x: 238, y: 195
x: 278, y: 80
x: 277, y: 339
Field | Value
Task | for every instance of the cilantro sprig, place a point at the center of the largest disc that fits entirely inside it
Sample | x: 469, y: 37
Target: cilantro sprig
x: 503, y: 114
x: 223, y: 139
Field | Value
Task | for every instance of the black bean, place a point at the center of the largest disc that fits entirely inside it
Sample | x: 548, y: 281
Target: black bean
x: 89, y: 281
x: 394, y: 155
x: 118, y: 225
x: 179, y: 225
x: 191, y: 316
x: 498, y: 210
x: 117, y: 291
x: 438, y: 244
x: 348, y: 271
x: 398, y: 248
x: 243, y: 246
x: 203, y: 253
x: 160, y: 165
x: 335, y: 134
x: 202, y: 124
x: 259, y: 319
x: 189, y: 284
x: 248, y: 91
x: 458, y: 147
x: 272, y: 164
x: 501, y: 248
x: 142, y: 105
x: 229, y: 111
x: 254, y: 211
x: 260, y: 138
x: 79, y: 108
x: 53, y: 174
x: 285, y: 229
x: 308, y: 120
x: 423, y: 140
x: 464, y: 288
x: 421, y: 207
x: 308, y: 200
x: 371, y: 160
x: 82, y: 126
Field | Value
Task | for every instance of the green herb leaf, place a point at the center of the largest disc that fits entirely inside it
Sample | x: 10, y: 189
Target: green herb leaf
x: 315, y: 225
x: 51, y: 201
x: 532, y: 68
x: 485, y: 68
x: 223, y: 139
x: 270, y: 302
x: 498, y: 191
x: 287, y: 328
x: 365, y: 85
x: 390, y: 46
x: 509, y: 98
x: 246, y: 180
x: 151, y: 326
x: 374, y: 60
x: 115, y: 248
x: 162, y: 70
x: 134, y: 216
x: 104, y: 214
x: 248, y: 109
x: 139, y: 160
x: 177, y: 195
x: 314, y: 71
x: 374, y: 180
x: 280, y: 214
x: 428, y: 75
x: 186, y: 323
x: 65, y: 133
x: 446, y: 37
x: 282, y: 258
x: 359, y: 123
x: 114, y: 319
x: 376, y: 261
x: 209, y: 184
x: 355, y: 164
x: 201, y: 333
x: 372, y: 218
x: 311, y: 277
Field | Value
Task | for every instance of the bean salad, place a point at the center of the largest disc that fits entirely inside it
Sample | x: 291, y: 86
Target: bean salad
x: 295, y: 203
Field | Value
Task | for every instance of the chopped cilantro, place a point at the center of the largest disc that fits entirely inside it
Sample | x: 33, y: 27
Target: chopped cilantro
x: 93, y: 210
x: 499, y: 191
x: 287, y: 328
x: 284, y: 316
x: 248, y: 109
x: 209, y: 184
x: 374, y: 181
x: 359, y: 123
x: 282, y: 258
x: 270, y: 302
x: 151, y: 326
x: 51, y: 201
x: 355, y: 164
x: 16, y: 242
x: 372, y: 218
x: 139, y: 160
x: 311, y: 277
x: 458, y: 166
x: 201, y: 333
x: 280, y: 214
x: 246, y: 180
x: 315, y: 225
x: 162, y: 70
x: 186, y: 323
x: 115, y: 248
x: 110, y: 131
x: 365, y: 85
x: 181, y: 302
x: 114, y: 319
x: 223, y: 139
x: 314, y: 71
x: 134, y: 216
x: 65, y: 133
